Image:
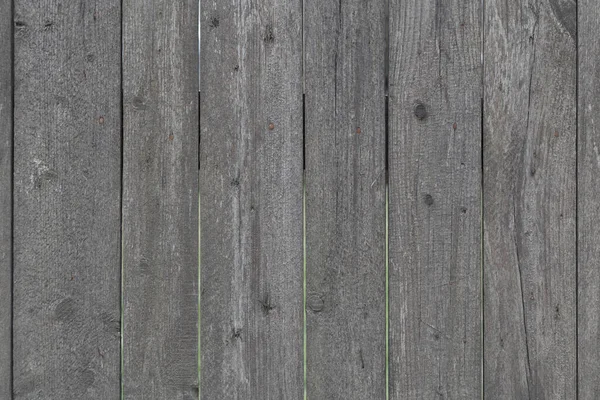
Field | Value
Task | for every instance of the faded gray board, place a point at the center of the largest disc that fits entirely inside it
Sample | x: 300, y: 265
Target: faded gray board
x: 67, y: 185
x: 251, y: 194
x: 588, y: 189
x: 6, y: 138
x: 435, y: 200
x: 160, y: 199
x: 529, y: 200
x: 345, y: 47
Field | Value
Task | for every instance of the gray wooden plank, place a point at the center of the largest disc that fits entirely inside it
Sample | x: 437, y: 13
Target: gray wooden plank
x: 529, y: 199
x: 434, y: 199
x: 588, y: 189
x: 160, y: 199
x: 6, y: 139
x: 251, y: 194
x: 67, y: 185
x: 345, y: 46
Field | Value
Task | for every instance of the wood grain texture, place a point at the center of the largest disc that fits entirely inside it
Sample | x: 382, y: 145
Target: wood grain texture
x: 345, y: 70
x: 160, y: 199
x: 529, y: 199
x: 251, y: 193
x: 588, y: 189
x: 434, y: 204
x: 6, y: 140
x: 67, y: 185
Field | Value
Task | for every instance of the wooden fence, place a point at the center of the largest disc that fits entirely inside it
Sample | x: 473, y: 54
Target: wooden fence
x: 399, y: 199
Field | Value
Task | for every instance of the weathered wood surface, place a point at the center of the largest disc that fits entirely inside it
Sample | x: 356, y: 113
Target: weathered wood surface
x: 6, y: 137
x: 251, y: 194
x: 434, y: 204
x: 160, y: 199
x: 588, y: 188
x: 67, y: 185
x: 529, y: 200
x: 345, y: 69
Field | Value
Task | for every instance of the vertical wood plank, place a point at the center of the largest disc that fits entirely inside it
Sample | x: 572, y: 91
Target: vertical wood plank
x: 251, y: 193
x: 529, y: 199
x: 345, y: 56
x: 160, y: 199
x: 588, y: 189
x: 434, y: 205
x: 6, y: 140
x: 67, y: 182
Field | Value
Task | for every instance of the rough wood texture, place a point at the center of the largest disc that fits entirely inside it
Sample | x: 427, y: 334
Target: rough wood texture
x: 251, y: 193
x: 6, y: 137
x: 529, y: 199
x: 588, y: 187
x: 434, y: 205
x: 345, y: 50
x: 67, y: 186
x: 160, y: 199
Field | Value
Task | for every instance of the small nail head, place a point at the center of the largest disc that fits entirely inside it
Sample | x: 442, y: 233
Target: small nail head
x: 271, y: 126
x: 420, y: 111
x: 101, y: 120
x: 358, y: 130
x: 315, y: 303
